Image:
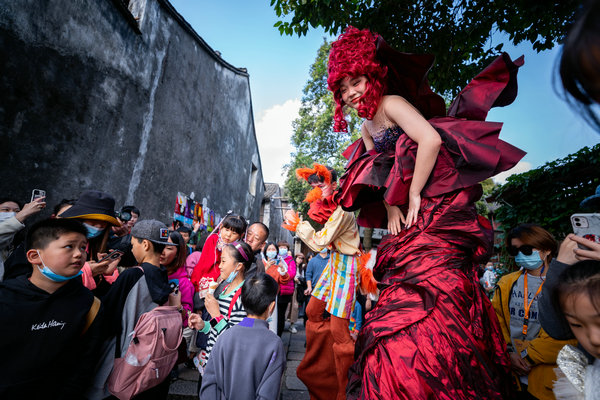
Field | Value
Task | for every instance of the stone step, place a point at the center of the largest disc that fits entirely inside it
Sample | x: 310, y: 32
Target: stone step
x: 186, y: 387
x: 183, y: 390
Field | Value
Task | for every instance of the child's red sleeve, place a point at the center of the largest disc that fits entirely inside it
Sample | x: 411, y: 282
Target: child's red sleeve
x: 208, y: 258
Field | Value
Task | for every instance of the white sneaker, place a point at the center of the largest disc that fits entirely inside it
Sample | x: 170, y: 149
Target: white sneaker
x: 293, y: 329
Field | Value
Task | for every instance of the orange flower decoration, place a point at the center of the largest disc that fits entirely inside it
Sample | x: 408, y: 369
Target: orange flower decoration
x: 367, y: 282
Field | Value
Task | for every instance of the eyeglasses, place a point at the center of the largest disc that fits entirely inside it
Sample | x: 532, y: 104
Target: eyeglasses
x: 525, y: 249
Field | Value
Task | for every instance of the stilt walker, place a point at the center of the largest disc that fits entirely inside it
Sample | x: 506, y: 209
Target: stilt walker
x: 416, y: 171
x: 329, y: 347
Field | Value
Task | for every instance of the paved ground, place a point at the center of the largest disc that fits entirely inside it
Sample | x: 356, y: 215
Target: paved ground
x: 292, y: 388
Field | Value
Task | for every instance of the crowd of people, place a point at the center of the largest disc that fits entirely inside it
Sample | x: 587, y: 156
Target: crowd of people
x: 97, y: 303
x: 76, y: 287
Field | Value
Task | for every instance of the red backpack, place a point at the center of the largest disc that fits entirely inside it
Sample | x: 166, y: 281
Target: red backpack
x: 151, y: 355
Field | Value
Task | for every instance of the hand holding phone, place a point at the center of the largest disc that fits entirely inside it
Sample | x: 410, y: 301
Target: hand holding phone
x: 113, y: 255
x: 36, y: 205
x: 38, y: 194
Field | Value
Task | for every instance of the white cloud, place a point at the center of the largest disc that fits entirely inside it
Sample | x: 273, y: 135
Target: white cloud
x: 274, y: 132
x: 522, y: 166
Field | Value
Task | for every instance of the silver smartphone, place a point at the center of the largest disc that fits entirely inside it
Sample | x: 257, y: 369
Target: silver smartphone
x: 587, y: 226
x: 37, y: 194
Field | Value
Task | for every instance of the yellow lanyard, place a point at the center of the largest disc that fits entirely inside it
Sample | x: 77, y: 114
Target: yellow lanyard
x: 526, y: 305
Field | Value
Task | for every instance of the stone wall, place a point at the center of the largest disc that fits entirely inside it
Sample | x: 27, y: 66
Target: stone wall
x: 95, y: 99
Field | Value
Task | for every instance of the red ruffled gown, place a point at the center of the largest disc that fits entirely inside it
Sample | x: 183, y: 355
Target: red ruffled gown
x: 433, y: 333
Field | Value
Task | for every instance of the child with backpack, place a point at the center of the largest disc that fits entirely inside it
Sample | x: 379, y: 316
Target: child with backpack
x: 250, y: 346
x: 49, y: 322
x: 134, y: 294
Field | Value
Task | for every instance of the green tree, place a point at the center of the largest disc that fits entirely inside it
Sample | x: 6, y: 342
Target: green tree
x: 550, y: 194
x: 483, y: 207
x: 313, y: 135
x: 458, y: 32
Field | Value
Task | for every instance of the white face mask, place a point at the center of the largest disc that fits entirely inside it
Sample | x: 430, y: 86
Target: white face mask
x: 7, y: 215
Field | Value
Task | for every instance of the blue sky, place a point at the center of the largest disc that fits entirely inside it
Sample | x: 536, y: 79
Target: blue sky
x: 539, y: 121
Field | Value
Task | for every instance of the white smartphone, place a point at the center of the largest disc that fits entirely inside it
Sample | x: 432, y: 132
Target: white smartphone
x: 587, y: 226
x: 37, y: 194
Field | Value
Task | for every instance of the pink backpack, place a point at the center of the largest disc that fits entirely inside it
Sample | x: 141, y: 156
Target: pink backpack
x: 151, y: 355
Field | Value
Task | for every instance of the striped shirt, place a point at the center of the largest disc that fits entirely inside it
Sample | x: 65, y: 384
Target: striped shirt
x: 237, y: 314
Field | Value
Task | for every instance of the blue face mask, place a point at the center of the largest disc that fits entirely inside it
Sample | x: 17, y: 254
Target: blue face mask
x: 271, y: 254
x: 92, y: 231
x: 529, y: 262
x: 54, y: 277
x: 283, y: 252
x: 231, y: 277
x: 7, y: 215
x: 323, y: 250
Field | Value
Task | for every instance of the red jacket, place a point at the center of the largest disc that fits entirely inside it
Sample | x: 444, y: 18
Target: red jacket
x: 208, y: 266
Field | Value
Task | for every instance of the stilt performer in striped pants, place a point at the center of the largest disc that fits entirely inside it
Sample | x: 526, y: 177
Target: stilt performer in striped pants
x: 329, y: 347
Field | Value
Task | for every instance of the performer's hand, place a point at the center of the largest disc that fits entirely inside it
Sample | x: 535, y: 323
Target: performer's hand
x: 395, y: 219
x: 289, y: 216
x: 414, y: 204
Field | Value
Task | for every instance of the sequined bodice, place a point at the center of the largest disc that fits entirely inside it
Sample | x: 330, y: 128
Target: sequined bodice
x: 385, y: 139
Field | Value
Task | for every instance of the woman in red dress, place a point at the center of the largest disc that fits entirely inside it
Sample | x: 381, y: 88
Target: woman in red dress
x: 416, y: 172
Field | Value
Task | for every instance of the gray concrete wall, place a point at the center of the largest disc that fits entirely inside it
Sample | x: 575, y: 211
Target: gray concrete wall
x: 90, y: 102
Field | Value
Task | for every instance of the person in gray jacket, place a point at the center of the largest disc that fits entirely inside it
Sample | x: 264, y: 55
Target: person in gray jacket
x: 249, y: 348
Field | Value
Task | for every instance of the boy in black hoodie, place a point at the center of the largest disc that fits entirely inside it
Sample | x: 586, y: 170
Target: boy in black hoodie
x: 49, y: 324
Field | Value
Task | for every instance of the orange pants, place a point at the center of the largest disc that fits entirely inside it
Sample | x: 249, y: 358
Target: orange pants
x: 329, y: 354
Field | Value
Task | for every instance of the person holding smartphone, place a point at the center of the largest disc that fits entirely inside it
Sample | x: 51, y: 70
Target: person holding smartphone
x: 572, y: 250
x: 96, y: 210
x: 12, y: 220
x: 277, y: 268
x: 516, y: 301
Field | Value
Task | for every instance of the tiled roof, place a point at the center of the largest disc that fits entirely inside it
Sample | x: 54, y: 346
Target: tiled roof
x: 271, y: 190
